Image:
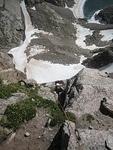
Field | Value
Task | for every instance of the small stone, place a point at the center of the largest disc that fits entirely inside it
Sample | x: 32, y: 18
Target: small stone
x: 27, y: 134
x: 50, y: 129
x: 5, y: 82
x: 33, y: 99
x: 90, y: 127
x: 39, y: 137
x: 47, y: 115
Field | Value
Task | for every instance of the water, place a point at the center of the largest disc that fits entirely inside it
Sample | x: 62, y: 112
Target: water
x: 91, y: 6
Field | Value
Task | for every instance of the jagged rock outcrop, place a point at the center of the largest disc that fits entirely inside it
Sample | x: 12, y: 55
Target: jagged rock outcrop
x: 93, y: 129
x: 106, y: 108
x: 100, y: 59
x: 105, y: 15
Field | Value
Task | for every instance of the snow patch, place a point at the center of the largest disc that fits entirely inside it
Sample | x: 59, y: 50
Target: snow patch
x: 33, y: 8
x: 19, y: 55
x: 36, y: 49
x: 81, y: 36
x: 93, y: 20
x: 77, y: 9
x: 107, y: 35
x: 44, y: 71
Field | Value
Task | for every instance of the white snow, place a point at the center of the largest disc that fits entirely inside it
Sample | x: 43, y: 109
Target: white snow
x: 107, y: 35
x: 93, y: 20
x: 37, y: 49
x: 44, y: 71
x: 41, y: 71
x: 81, y: 34
x: 77, y: 9
x: 19, y: 55
x: 33, y: 8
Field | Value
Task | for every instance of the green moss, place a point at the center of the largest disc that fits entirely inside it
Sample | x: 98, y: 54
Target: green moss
x: 56, y: 114
x: 71, y: 116
x: 16, y: 114
x: 7, y: 90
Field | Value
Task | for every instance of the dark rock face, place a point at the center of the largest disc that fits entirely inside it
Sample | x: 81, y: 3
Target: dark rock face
x: 54, y: 2
x: 100, y: 60
x: 60, y: 141
x: 106, y: 15
x: 106, y: 108
x: 69, y: 92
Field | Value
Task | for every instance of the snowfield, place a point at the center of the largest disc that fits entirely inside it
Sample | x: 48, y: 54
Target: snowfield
x: 46, y: 71
x: 77, y: 9
x: 38, y: 70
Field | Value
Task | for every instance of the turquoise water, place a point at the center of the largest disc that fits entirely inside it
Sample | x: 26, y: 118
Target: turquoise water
x: 93, y: 5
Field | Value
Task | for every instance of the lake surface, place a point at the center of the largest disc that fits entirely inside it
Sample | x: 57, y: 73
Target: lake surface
x: 91, y: 6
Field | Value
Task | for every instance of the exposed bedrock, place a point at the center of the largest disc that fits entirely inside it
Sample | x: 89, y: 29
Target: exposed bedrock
x: 94, y: 26
x: 92, y: 129
x: 11, y: 26
x: 54, y: 2
x: 102, y: 58
x: 105, y: 15
x: 60, y: 45
x: 106, y: 108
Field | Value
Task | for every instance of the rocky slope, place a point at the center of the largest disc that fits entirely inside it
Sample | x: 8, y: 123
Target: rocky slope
x: 70, y: 114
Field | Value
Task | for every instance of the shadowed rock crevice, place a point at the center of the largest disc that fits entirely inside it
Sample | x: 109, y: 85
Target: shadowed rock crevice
x: 61, y: 139
x: 106, y: 108
x: 68, y: 91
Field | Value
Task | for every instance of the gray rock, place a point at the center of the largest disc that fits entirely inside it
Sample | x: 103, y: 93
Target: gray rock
x: 1, y: 3
x: 47, y: 93
x: 101, y: 58
x: 40, y: 137
x: 96, y: 86
x: 12, y: 100
x: 11, y: 25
